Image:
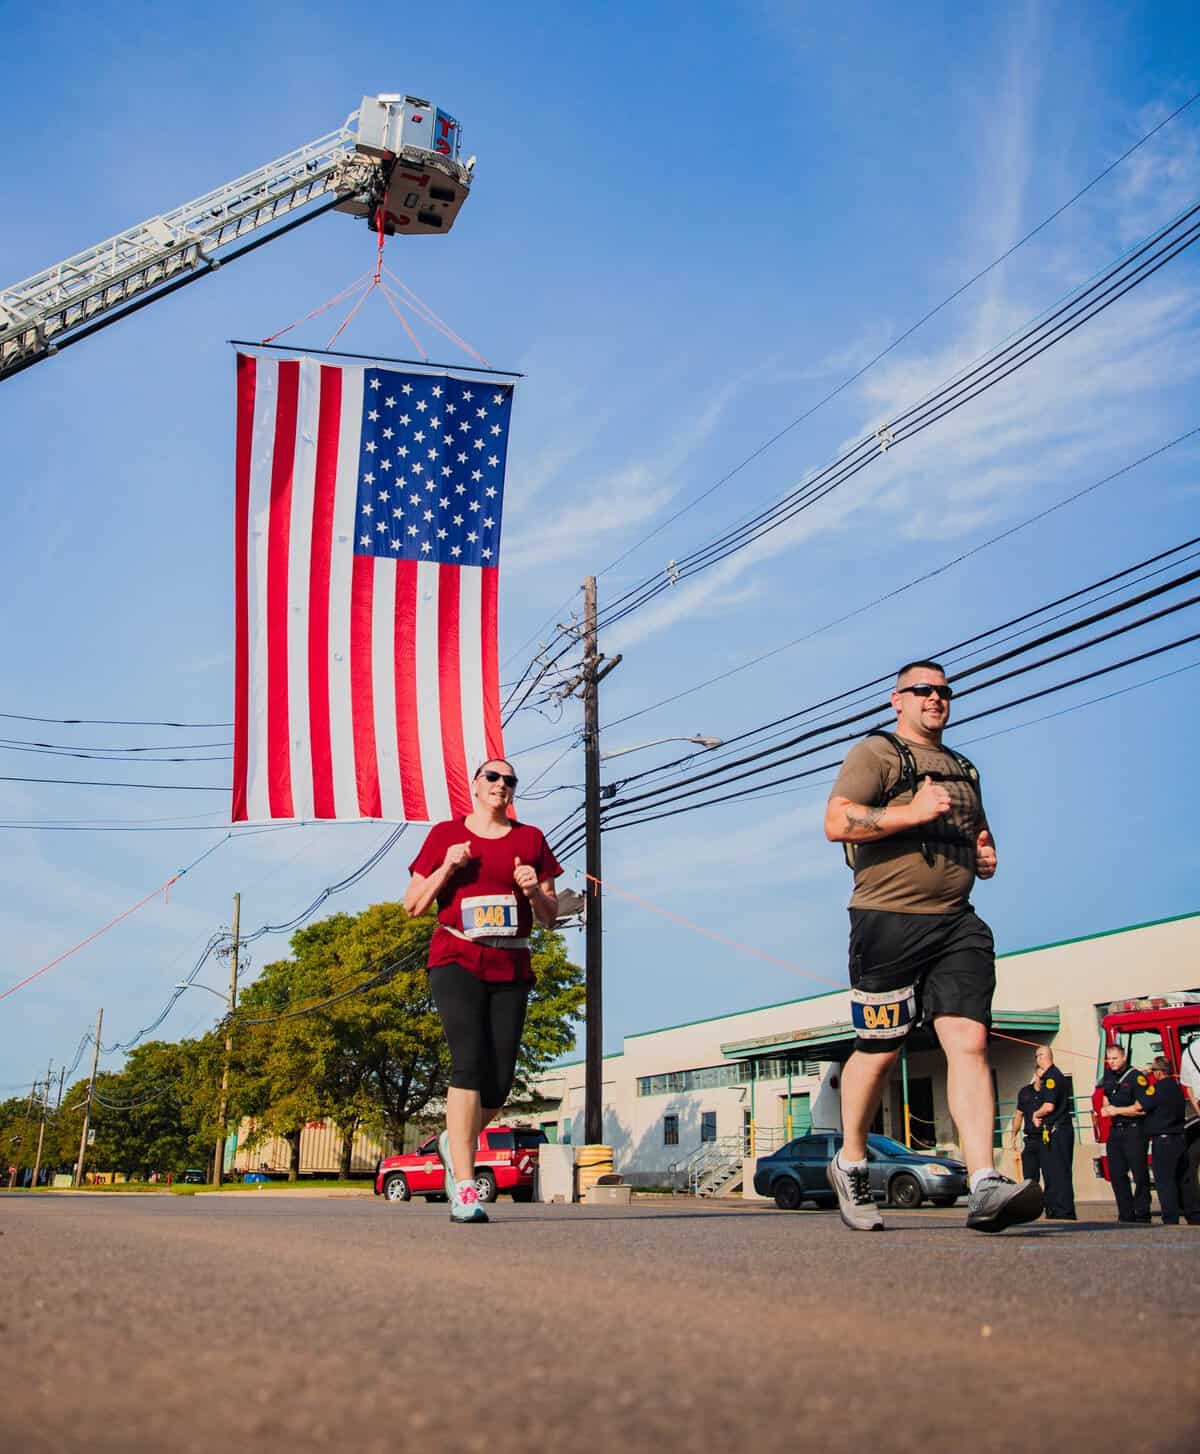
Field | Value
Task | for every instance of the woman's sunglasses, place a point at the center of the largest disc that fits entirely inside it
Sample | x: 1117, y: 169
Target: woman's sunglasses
x: 506, y: 778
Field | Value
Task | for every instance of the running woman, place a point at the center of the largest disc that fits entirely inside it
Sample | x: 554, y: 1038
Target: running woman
x: 912, y: 811
x: 492, y: 877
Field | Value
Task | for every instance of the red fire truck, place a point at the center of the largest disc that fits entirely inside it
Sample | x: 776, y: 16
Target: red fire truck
x: 1160, y: 1025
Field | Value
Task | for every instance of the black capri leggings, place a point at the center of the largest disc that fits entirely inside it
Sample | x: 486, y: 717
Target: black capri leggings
x: 483, y: 1024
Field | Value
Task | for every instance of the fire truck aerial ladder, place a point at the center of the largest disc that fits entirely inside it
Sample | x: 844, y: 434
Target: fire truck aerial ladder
x: 395, y: 161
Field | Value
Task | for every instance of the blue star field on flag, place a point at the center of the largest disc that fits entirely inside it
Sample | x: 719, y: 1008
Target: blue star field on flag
x: 431, y: 468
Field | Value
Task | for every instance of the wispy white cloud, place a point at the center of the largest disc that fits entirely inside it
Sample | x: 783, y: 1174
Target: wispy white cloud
x: 1161, y: 178
x: 602, y: 506
x: 1091, y: 401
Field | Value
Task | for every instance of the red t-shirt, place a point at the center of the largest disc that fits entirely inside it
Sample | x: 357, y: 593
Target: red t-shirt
x: 488, y: 875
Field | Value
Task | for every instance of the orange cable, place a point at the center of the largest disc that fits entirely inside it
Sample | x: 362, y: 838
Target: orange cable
x: 370, y: 288
x: 419, y: 303
x: 337, y: 298
x: 392, y: 300
x: 712, y: 933
x: 95, y: 934
x: 771, y: 959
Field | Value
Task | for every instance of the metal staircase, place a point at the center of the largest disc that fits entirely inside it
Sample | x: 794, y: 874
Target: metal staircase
x: 714, y: 1169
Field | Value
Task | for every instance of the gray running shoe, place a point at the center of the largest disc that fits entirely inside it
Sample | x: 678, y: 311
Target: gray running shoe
x: 855, y: 1203
x: 998, y: 1203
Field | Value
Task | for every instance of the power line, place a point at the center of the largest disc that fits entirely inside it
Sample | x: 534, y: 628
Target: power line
x: 965, y: 649
x: 721, y: 773
x: 574, y: 842
x: 72, y: 747
x: 92, y: 783
x: 110, y: 757
x: 106, y: 721
x: 963, y: 388
x: 223, y: 939
x: 899, y: 590
x: 1003, y: 657
x: 112, y: 923
x: 883, y: 353
x: 902, y: 337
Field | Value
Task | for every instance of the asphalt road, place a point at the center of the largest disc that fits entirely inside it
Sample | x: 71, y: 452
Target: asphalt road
x: 214, y: 1324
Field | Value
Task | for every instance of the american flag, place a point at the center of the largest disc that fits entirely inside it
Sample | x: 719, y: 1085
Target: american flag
x: 368, y: 545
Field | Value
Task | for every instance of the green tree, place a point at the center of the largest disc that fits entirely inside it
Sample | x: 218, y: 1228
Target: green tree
x: 375, y: 1059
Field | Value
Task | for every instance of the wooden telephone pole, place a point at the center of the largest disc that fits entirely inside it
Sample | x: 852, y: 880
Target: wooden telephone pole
x: 87, y: 1105
x: 595, y: 669
x: 223, y: 1108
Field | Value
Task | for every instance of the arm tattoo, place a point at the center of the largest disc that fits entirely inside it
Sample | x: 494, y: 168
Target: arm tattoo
x: 869, y: 818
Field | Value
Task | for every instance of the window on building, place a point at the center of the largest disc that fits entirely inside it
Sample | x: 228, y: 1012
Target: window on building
x: 550, y: 1131
x: 707, y: 1077
x: 708, y: 1125
x: 566, y: 1132
x: 670, y: 1130
x: 779, y: 1067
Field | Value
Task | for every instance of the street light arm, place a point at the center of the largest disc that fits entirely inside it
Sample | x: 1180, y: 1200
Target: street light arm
x: 706, y: 742
x: 191, y: 985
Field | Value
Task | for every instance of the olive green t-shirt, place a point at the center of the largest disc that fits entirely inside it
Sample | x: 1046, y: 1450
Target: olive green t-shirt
x: 895, y: 873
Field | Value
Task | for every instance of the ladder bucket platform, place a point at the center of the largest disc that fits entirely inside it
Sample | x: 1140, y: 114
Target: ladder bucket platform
x: 416, y: 145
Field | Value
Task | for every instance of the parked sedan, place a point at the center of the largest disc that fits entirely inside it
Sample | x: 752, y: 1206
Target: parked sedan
x: 899, y: 1176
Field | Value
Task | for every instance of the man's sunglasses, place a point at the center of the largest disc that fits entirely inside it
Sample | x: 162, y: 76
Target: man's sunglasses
x: 929, y: 689
x: 506, y: 778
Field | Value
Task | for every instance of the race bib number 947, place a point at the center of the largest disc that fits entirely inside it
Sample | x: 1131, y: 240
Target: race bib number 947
x: 887, y: 1016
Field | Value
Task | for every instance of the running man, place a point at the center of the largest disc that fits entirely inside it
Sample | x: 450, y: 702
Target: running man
x: 911, y: 816
x: 491, y: 877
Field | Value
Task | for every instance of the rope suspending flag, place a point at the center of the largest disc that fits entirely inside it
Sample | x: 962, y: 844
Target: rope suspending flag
x: 368, y: 542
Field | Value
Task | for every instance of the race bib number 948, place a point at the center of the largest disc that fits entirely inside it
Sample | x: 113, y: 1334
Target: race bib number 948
x: 489, y: 916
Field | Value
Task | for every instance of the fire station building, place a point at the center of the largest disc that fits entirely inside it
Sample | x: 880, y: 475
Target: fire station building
x: 694, y: 1104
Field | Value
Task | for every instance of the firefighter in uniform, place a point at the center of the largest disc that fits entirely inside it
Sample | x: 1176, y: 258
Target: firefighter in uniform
x: 1029, y: 1098
x: 1056, y: 1130
x: 1124, y: 1106
x: 1165, y: 1116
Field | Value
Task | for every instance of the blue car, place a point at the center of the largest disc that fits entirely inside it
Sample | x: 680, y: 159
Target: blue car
x: 899, y: 1176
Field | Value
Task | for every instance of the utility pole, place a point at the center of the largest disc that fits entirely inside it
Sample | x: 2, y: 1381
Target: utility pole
x: 37, y: 1161
x: 595, y: 669
x: 62, y: 1080
x: 219, y: 1157
x: 87, y: 1105
x: 24, y: 1132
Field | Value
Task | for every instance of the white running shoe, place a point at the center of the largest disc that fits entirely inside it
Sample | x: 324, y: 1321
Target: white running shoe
x: 463, y: 1196
x: 855, y: 1202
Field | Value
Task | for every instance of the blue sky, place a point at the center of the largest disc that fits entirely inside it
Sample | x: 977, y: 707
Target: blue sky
x: 688, y: 225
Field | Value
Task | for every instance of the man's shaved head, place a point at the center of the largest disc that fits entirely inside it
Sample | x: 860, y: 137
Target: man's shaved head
x: 914, y: 666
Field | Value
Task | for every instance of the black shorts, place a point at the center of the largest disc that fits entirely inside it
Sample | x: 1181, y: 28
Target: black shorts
x: 907, y: 968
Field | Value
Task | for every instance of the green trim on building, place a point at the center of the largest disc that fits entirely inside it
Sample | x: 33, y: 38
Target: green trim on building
x: 733, y: 1014
x: 1102, y: 934
x: 827, y: 994
x: 841, y: 1032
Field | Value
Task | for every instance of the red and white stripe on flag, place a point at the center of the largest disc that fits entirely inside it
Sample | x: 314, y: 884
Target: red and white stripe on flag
x: 366, y: 687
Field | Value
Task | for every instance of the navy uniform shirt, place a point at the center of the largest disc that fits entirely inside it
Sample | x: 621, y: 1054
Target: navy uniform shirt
x: 1056, y: 1088
x: 1165, y: 1108
x: 1125, y: 1088
x: 1029, y: 1098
